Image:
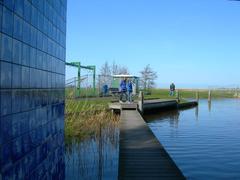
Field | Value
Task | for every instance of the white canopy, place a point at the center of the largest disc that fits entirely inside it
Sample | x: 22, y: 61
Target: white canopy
x: 124, y: 76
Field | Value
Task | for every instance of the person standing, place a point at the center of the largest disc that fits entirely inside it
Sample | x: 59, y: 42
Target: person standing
x: 123, y: 89
x: 172, y: 89
x: 129, y: 90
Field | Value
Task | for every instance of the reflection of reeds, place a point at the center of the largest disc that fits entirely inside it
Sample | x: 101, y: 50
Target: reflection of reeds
x: 91, y: 138
x: 93, y: 151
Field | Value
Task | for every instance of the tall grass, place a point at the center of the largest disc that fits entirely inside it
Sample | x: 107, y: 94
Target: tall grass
x: 86, y: 118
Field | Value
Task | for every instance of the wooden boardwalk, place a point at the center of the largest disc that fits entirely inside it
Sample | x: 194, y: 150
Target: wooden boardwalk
x: 141, y: 156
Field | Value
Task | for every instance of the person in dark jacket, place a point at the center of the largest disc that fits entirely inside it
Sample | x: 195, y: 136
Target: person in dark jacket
x: 129, y: 90
x: 123, y: 90
x: 172, y: 89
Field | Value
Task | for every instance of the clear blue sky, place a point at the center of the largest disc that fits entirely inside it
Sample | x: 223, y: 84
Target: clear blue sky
x: 194, y: 43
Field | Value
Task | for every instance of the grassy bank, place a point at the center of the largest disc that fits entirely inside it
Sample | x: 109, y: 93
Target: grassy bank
x: 85, y: 116
x: 80, y: 105
x: 190, y: 93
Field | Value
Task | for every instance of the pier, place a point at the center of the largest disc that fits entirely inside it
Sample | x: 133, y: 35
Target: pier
x: 141, y: 155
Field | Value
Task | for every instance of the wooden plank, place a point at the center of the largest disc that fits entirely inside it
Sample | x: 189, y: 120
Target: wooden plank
x: 150, y: 101
x: 141, y: 156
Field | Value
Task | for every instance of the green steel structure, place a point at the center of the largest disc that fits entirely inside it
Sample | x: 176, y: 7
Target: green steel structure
x: 79, y: 66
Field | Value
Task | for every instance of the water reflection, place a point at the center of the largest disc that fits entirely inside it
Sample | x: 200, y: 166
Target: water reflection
x: 196, y: 112
x: 170, y: 116
x: 209, y: 106
x: 95, y: 157
x: 208, y: 148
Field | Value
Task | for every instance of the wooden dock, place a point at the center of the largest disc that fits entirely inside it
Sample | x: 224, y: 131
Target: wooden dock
x: 141, y: 156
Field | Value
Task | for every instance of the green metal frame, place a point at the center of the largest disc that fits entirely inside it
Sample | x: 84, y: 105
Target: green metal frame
x: 79, y: 66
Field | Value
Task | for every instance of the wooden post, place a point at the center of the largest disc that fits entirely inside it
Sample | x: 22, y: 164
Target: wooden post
x: 178, y: 95
x: 209, y: 96
x: 141, y: 101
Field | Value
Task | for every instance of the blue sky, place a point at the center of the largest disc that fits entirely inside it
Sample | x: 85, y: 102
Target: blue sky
x: 194, y: 43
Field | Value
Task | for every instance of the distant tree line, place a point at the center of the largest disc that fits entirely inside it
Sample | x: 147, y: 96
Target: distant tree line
x: 108, y: 70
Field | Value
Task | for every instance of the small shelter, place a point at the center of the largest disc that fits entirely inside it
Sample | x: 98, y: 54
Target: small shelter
x: 116, y: 80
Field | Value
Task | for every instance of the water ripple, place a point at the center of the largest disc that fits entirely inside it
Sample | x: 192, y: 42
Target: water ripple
x: 204, y: 142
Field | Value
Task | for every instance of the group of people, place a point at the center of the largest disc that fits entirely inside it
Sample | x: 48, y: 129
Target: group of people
x: 126, y: 89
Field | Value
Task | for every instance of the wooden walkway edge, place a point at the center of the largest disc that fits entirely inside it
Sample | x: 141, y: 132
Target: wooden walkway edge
x: 141, y: 156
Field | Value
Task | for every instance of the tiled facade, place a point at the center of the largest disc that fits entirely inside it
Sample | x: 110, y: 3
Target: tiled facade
x: 32, y: 76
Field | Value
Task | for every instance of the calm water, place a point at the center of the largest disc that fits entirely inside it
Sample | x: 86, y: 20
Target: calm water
x: 204, y: 141
x: 93, y: 158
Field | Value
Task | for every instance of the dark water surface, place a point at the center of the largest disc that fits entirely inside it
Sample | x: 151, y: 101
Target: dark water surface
x: 95, y: 157
x: 204, y: 141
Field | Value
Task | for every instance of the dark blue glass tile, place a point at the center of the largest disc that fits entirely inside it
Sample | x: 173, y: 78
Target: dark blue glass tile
x: 40, y: 21
x: 48, y: 60
x: 31, y: 99
x: 26, y: 33
x: 39, y: 117
x: 17, y: 149
x: 19, y: 170
x: 6, y: 48
x: 7, y: 21
x: 34, y: 18
x: 33, y: 36
x: 25, y: 100
x: 8, y: 3
x: 45, y: 45
x: 39, y: 59
x: 44, y: 62
x: 1, y: 9
x: 17, y: 27
x: 32, y: 159
x: 45, y: 25
x: 39, y: 40
x: 44, y: 79
x: 44, y: 114
x: 33, y: 138
x: 16, y: 101
x: 6, y: 75
x: 26, y: 144
x: 24, y: 122
x: 19, y: 7
x: 27, y: 11
x: 6, y: 133
x: 38, y: 79
x: 25, y: 77
x: 32, y: 120
x: 25, y: 55
x: 37, y: 98
x: 32, y: 78
x: 53, y: 80
x: 17, y: 52
x: 33, y: 56
x: 49, y: 80
x: 16, y: 76
x: 16, y: 125
x: 6, y: 103
x: 6, y: 156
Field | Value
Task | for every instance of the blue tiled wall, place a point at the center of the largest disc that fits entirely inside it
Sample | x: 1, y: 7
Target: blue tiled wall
x: 32, y: 76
